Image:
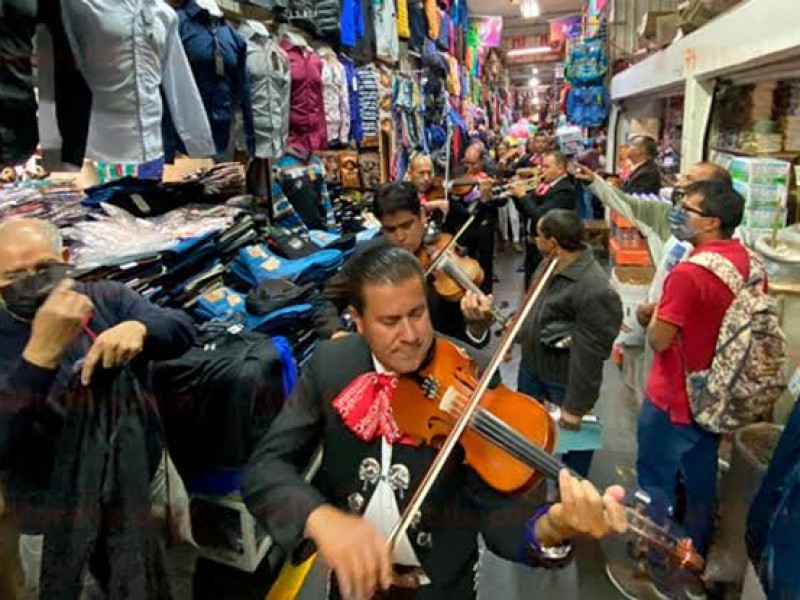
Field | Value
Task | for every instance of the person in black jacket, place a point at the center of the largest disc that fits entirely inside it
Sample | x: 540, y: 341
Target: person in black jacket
x: 571, y: 330
x: 370, y: 468
x: 556, y: 191
x: 47, y: 324
x: 645, y: 176
x: 398, y: 208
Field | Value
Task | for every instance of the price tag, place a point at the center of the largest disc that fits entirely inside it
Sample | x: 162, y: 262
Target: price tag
x: 271, y: 264
x: 256, y: 252
x: 214, y: 296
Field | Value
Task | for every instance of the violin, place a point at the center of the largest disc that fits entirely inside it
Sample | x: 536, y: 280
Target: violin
x: 446, y: 404
x: 465, y: 272
x: 454, y: 275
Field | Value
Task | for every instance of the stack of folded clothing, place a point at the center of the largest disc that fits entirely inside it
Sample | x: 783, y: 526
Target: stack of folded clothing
x: 276, y: 307
x: 241, y: 234
x: 258, y: 263
x: 325, y: 240
x: 147, y: 198
x: 222, y: 181
x: 59, y: 204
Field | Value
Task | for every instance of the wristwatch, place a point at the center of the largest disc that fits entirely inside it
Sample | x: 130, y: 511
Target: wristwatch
x: 548, y: 553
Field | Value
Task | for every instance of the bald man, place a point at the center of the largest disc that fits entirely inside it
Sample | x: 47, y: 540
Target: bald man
x: 46, y: 325
x: 421, y: 174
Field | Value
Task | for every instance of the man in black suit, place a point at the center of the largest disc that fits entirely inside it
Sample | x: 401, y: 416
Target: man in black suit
x: 645, y: 176
x: 371, y: 468
x: 404, y: 221
x: 556, y: 191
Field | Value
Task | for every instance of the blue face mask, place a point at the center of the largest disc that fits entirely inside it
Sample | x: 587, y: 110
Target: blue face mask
x: 678, y: 219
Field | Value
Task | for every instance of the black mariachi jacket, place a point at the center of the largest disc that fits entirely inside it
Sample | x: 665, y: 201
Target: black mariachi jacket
x: 459, y: 506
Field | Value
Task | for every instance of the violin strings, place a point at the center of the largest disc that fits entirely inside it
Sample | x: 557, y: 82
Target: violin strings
x: 501, y: 434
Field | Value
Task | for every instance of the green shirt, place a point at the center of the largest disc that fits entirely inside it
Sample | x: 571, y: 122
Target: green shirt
x: 649, y: 217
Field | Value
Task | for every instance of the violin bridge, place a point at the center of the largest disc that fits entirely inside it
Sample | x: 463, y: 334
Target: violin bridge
x: 450, y: 401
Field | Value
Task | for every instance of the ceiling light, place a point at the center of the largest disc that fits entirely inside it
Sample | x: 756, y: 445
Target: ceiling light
x: 534, y: 81
x: 526, y: 51
x: 535, y: 70
x: 530, y: 9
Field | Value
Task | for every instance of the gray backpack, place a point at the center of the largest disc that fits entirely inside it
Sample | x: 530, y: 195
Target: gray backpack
x: 747, y: 374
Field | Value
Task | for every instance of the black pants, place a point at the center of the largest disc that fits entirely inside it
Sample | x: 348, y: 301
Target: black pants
x: 532, y: 260
x: 479, y: 242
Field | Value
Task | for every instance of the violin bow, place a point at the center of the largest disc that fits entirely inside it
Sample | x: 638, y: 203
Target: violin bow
x: 421, y: 493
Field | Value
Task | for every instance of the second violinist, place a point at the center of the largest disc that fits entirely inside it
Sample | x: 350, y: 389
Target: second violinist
x: 403, y: 221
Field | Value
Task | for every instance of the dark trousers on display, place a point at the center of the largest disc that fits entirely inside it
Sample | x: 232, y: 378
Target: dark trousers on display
x: 667, y: 449
x: 528, y: 383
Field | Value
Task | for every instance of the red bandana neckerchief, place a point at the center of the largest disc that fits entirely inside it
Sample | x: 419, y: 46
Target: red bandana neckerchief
x: 365, y: 406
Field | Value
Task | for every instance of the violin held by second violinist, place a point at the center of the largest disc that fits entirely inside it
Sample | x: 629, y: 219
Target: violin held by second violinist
x: 454, y: 275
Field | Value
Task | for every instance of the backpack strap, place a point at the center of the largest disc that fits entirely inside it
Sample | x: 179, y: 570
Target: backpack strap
x: 723, y: 268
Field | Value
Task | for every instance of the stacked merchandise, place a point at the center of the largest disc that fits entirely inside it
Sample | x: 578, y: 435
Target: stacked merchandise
x: 626, y: 245
x: 764, y: 183
x: 58, y: 203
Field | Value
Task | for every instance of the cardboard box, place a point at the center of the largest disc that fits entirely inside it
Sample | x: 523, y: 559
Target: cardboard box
x: 761, y: 194
x: 760, y: 170
x: 719, y: 6
x: 667, y: 27
x: 649, y: 24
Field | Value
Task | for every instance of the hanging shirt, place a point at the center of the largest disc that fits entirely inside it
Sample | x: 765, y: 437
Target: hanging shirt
x: 218, y: 56
x: 432, y: 13
x: 327, y: 21
x: 369, y: 92
x: 418, y: 23
x: 403, y: 23
x: 387, y: 42
x: 270, y: 85
x: 351, y: 21
x: 307, y: 127
x: 336, y: 97
x: 351, y: 79
x: 142, y: 56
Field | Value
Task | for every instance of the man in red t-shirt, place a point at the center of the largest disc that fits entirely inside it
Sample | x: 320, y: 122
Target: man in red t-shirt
x: 683, y: 333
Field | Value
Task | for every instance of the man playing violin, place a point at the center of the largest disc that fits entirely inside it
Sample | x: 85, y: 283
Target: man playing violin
x: 479, y: 238
x: 371, y: 468
x: 398, y: 208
